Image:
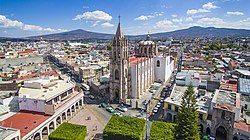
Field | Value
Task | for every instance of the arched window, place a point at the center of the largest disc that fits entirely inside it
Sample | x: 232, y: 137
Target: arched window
x: 158, y: 64
x: 116, y: 75
x: 223, y: 114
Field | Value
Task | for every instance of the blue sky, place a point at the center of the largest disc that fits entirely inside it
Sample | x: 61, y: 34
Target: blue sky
x: 21, y: 18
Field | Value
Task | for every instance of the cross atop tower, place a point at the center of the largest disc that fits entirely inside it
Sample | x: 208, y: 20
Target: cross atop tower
x: 119, y: 17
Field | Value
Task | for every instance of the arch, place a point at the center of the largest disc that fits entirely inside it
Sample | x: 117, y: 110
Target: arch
x: 116, y: 74
x: 51, y: 126
x: 158, y: 64
x: 116, y: 95
x: 45, y: 133
x: 64, y: 116
x: 37, y: 136
x: 145, y: 50
x: 77, y: 105
x: 68, y: 112
x: 73, y: 108
x: 208, y: 131
x: 221, y: 133
x: 80, y: 102
x: 174, y: 118
x: 235, y: 138
x: 223, y: 114
x: 169, y: 117
x: 58, y: 120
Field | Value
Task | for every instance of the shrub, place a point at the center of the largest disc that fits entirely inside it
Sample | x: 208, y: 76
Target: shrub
x: 124, y: 128
x: 68, y: 131
x: 162, y: 131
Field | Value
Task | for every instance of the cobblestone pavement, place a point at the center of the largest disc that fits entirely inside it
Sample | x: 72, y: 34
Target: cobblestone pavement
x: 90, y: 118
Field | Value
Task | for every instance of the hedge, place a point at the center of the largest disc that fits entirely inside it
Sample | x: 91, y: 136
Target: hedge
x: 68, y: 131
x: 124, y: 128
x: 162, y: 131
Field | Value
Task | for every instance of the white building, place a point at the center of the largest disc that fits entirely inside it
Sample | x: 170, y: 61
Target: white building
x: 44, y: 103
x: 132, y: 76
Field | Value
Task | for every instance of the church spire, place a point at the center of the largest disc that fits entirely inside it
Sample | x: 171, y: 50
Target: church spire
x: 119, y: 33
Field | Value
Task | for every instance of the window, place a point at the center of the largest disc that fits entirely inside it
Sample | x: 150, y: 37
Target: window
x: 116, y: 75
x: 169, y: 106
x: 200, y: 116
x: 176, y: 108
x: 223, y: 114
x: 158, y: 63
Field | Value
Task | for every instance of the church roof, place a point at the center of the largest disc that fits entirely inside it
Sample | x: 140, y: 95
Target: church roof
x: 119, y: 33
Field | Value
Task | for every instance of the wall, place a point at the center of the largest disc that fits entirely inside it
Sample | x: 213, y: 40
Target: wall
x: 31, y: 104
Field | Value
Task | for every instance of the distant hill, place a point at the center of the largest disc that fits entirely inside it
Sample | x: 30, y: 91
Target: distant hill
x: 191, y: 32
x: 78, y: 34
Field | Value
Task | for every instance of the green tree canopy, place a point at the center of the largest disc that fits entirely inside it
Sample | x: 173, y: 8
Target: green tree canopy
x: 187, y: 117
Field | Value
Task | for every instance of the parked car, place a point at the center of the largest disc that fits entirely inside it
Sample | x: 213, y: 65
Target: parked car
x: 155, y: 110
x: 110, y: 109
x: 104, y: 105
x: 118, y: 114
x: 91, y: 97
x: 122, y: 108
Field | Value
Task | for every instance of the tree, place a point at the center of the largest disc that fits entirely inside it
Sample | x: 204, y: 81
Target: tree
x: 187, y: 117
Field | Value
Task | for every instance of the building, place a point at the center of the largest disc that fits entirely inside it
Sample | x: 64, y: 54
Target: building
x: 44, y: 104
x: 244, y: 86
x: 132, y: 76
x: 9, y: 133
x: 220, y: 112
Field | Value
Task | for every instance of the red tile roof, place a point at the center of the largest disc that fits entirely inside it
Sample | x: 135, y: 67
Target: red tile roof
x: 27, y: 51
x: 242, y: 126
x: 25, y: 121
x: 228, y: 85
x: 136, y: 60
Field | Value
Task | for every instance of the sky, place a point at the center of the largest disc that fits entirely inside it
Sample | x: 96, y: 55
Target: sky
x: 22, y: 18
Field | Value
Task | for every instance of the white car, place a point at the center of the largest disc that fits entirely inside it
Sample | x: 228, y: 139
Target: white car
x: 91, y: 97
x: 158, y: 105
x: 155, y: 110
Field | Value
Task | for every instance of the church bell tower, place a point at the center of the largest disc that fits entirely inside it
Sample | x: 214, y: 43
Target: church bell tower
x: 119, y: 67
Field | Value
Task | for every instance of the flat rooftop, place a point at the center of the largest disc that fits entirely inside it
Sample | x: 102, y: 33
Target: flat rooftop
x: 25, y: 121
x: 244, y: 86
x: 47, y: 91
x: 202, y: 101
x: 5, y: 132
x: 226, y: 100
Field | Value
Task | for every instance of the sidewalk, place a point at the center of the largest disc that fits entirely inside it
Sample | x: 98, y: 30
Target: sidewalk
x: 87, y: 118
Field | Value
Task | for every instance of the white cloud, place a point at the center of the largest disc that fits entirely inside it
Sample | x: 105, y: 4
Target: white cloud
x: 236, y: 13
x: 107, y: 24
x: 143, y: 18
x: 194, y: 11
x: 209, y: 5
x: 177, y: 20
x: 28, y: 27
x: 166, y: 25
x: 94, y: 16
x: 8, y: 23
x: 174, y: 16
x: 189, y: 19
x: 96, y: 23
x: 211, y: 21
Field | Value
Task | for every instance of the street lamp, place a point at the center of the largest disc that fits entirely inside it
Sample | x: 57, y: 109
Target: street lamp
x: 146, y: 109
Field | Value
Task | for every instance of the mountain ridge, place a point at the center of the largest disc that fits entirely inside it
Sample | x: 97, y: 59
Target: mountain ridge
x: 191, y: 32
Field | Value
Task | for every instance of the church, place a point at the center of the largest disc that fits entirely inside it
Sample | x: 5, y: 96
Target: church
x: 132, y: 76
